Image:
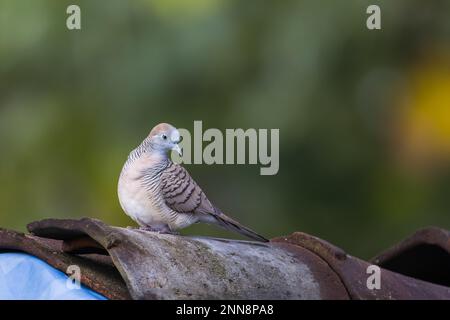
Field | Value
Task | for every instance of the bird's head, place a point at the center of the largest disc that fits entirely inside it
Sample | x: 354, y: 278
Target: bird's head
x: 165, y: 137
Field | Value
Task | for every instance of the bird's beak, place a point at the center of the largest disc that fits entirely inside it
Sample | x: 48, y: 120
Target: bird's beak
x: 177, y: 148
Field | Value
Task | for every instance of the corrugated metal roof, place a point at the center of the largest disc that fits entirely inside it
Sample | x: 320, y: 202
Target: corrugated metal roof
x: 122, y: 263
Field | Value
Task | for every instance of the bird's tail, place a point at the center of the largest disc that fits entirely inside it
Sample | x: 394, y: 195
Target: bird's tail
x: 232, y: 225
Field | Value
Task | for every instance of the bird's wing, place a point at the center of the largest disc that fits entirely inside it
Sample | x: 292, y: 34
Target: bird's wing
x: 182, y: 194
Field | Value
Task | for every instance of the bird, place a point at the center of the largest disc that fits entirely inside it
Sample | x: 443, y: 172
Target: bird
x: 161, y: 196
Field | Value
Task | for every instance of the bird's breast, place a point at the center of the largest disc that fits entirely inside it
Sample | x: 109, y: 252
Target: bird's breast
x: 140, y: 196
x: 136, y: 200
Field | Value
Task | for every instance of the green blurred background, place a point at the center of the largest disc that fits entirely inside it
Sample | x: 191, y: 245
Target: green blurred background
x: 364, y: 116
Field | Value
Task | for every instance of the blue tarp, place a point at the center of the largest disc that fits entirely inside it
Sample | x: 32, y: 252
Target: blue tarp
x: 23, y: 276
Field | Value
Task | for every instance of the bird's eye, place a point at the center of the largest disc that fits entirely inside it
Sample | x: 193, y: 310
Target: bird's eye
x: 164, y: 137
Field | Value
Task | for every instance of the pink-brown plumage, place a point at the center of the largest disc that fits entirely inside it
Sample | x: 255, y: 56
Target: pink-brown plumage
x: 161, y: 195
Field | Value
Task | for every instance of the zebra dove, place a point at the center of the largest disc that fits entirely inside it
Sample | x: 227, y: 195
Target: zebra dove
x: 160, y: 195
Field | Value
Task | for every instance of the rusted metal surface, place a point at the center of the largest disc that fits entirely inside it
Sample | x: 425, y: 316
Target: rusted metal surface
x: 424, y: 255
x: 82, y: 245
x: 353, y: 273
x: 99, y: 273
x: 122, y: 263
x: 161, y: 266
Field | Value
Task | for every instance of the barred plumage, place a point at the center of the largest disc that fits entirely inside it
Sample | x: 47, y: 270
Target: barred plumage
x: 161, y: 195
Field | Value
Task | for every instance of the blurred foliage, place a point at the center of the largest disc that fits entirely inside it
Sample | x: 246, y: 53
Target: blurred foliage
x: 363, y: 115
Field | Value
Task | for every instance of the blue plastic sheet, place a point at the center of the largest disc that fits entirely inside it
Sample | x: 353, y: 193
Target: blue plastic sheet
x: 26, y: 277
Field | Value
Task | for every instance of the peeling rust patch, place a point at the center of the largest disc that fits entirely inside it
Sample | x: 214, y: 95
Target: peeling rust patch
x: 353, y: 273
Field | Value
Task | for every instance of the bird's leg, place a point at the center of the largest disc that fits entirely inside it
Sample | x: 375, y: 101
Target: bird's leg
x: 163, y: 229
x: 175, y: 233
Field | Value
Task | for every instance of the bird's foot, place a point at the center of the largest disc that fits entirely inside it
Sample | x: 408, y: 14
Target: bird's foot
x: 161, y: 230
x: 175, y: 233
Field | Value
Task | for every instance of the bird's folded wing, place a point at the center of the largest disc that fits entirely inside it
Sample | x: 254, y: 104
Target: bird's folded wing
x: 182, y: 194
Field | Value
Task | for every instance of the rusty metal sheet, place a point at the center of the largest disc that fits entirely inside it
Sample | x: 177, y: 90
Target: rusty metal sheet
x: 424, y: 255
x: 161, y: 266
x: 157, y: 266
x: 99, y: 273
x: 353, y: 273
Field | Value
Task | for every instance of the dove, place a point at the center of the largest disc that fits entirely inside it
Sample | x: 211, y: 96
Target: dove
x: 161, y: 196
